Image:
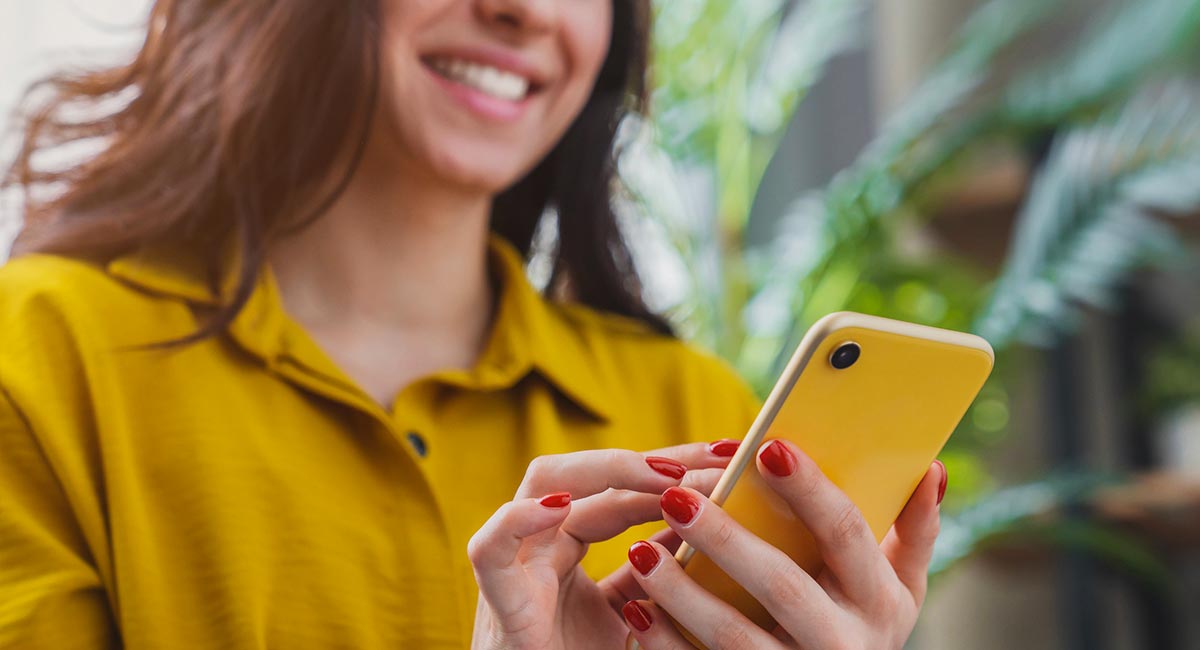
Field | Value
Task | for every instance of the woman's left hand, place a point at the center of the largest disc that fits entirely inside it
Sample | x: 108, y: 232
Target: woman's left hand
x: 867, y: 596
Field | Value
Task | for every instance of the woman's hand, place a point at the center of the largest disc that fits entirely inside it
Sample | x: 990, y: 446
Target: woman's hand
x: 532, y: 592
x: 866, y: 597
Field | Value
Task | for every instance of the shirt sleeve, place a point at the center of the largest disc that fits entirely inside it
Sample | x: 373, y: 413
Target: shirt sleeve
x: 51, y: 595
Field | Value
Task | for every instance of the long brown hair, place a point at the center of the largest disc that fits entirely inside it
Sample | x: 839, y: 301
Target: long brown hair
x: 233, y: 112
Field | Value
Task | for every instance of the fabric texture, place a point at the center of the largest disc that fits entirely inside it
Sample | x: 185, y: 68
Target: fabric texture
x: 243, y: 492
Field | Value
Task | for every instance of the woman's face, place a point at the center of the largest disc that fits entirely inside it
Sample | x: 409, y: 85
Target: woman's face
x: 476, y: 92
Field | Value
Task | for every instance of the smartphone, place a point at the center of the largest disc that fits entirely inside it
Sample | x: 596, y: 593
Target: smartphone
x: 872, y: 401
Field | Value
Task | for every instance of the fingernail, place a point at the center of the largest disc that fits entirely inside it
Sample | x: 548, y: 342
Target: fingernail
x: 637, y: 615
x: 724, y: 448
x: 680, y: 504
x: 556, y: 500
x: 643, y: 557
x: 666, y: 466
x: 942, y: 483
x: 777, y: 459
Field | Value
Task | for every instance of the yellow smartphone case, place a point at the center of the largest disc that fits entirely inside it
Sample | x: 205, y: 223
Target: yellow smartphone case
x: 873, y: 428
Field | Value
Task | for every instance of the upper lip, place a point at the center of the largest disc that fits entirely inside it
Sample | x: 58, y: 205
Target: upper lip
x: 499, y: 58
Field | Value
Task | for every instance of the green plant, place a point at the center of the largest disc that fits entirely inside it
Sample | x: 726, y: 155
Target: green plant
x: 729, y: 74
x: 1031, y: 512
x: 1122, y: 152
x: 1173, y: 374
x: 948, y: 118
x: 1097, y: 211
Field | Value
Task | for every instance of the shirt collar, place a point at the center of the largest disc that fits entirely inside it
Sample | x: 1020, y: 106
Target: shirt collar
x: 529, y: 332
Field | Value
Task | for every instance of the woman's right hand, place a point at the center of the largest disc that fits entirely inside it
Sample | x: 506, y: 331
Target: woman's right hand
x: 532, y: 592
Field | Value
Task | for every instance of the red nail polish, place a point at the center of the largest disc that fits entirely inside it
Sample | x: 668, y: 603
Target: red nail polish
x: 680, y: 504
x: 666, y: 466
x: 778, y: 459
x: 724, y: 448
x: 637, y: 615
x: 556, y: 500
x: 942, y: 483
x: 643, y: 557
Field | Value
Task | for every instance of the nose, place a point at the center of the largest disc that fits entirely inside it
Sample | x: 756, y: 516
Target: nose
x: 520, y: 15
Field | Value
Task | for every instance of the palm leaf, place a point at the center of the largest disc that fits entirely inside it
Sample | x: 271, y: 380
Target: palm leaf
x: 1126, y: 42
x: 947, y: 118
x: 1023, y: 513
x: 1092, y: 215
x: 837, y: 225
x: 808, y: 36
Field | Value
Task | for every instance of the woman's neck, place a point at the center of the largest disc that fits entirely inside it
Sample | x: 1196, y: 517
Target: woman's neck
x: 398, y: 262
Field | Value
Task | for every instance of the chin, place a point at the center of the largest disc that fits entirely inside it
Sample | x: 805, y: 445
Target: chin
x: 484, y: 169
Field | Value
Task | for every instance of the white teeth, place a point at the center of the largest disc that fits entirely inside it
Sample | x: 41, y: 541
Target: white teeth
x: 484, y: 78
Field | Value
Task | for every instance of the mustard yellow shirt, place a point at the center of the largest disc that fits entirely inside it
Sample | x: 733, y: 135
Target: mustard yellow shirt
x: 243, y: 492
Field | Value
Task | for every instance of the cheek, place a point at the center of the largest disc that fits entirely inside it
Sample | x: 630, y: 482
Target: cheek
x: 584, y: 42
x: 586, y: 36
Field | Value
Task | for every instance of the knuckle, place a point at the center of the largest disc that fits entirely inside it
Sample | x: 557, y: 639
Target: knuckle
x: 917, y: 596
x: 480, y: 545
x: 540, y: 465
x: 886, y: 603
x: 723, y: 535
x: 618, y: 457
x: 935, y: 529
x: 731, y: 635
x: 702, y: 480
x: 850, y: 641
x: 784, y: 587
x: 808, y: 481
x: 629, y: 508
x: 477, y: 549
x: 849, y: 527
x: 925, y: 539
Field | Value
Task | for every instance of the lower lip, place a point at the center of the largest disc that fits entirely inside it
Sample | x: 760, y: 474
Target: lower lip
x: 481, y: 103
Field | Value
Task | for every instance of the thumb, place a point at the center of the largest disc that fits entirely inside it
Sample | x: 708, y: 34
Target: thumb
x: 909, y: 544
x: 495, y: 550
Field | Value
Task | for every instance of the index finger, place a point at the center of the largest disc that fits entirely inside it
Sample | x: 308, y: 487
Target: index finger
x: 701, y: 455
x: 584, y: 473
x: 842, y: 536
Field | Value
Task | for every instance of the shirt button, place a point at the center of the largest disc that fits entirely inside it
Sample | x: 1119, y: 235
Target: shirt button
x: 417, y: 442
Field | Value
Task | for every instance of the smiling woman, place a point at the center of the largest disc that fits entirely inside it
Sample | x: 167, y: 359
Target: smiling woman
x: 273, y: 374
x: 233, y: 93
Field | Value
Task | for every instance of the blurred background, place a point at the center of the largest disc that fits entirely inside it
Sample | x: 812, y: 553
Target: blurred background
x: 1025, y: 169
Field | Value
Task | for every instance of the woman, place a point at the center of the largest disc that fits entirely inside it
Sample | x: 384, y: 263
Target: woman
x: 272, y: 368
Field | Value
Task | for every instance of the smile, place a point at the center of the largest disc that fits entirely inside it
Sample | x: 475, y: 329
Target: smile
x: 486, y: 79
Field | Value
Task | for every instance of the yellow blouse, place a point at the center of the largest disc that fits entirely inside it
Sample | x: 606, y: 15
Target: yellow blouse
x: 243, y: 492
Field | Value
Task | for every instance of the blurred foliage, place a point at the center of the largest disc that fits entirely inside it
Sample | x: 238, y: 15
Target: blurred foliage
x: 1038, y: 507
x: 1173, y: 374
x: 1113, y: 135
x: 1095, y: 213
x: 728, y: 78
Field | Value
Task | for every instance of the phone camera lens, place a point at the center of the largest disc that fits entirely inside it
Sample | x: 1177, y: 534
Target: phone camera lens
x: 845, y: 355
